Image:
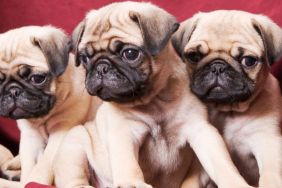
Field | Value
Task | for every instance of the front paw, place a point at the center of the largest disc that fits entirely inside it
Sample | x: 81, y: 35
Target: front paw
x: 11, y: 170
x: 133, y: 185
x: 11, y: 175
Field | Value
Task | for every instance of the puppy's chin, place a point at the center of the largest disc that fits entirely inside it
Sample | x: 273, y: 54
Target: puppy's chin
x: 115, y: 85
x: 227, y: 87
x: 218, y: 94
x: 26, y: 105
x: 122, y: 95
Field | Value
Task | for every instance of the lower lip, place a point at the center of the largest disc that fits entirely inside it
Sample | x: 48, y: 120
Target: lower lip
x: 17, y: 111
x: 217, y: 88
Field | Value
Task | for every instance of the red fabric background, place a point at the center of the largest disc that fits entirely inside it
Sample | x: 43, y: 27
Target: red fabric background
x: 66, y: 14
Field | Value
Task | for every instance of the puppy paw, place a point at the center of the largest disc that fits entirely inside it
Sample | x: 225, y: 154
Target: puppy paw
x: 11, y: 175
x: 133, y: 185
x: 11, y: 170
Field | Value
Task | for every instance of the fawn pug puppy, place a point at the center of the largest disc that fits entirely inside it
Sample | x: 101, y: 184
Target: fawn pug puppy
x: 228, y: 56
x: 149, y: 119
x: 44, y: 95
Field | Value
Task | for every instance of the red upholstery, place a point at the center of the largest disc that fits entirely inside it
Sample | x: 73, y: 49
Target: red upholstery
x: 66, y: 14
x: 36, y: 185
x: 9, y: 134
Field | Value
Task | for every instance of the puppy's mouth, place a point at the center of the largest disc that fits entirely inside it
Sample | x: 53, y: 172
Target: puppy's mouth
x: 121, y: 92
x: 216, y: 90
x: 218, y: 94
x: 17, y: 113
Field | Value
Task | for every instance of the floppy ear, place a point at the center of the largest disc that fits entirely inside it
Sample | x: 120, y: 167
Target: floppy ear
x: 271, y: 35
x: 183, y: 35
x: 56, y: 48
x: 76, y: 38
x: 156, y: 26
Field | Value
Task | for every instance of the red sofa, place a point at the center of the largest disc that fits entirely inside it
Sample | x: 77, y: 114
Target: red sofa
x: 66, y: 14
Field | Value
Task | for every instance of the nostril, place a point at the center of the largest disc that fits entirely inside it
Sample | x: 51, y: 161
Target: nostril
x: 15, y: 92
x: 221, y: 69
x: 103, y: 68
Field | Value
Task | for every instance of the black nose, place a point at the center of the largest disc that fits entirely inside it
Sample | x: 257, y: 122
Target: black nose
x: 218, y: 67
x: 14, y: 91
x: 103, y: 67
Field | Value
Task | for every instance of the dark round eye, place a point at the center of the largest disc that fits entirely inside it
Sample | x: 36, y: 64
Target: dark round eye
x: 84, y: 59
x: 130, y: 54
x: 38, y: 79
x: 249, y: 61
x: 193, y: 57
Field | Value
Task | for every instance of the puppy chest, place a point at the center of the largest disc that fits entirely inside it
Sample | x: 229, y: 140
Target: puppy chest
x: 164, y: 157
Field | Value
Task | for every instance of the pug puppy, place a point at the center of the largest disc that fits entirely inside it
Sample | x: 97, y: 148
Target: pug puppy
x: 149, y: 122
x: 228, y: 56
x: 36, y: 90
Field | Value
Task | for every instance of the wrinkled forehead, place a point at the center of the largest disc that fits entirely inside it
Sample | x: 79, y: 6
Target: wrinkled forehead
x: 104, y: 27
x: 17, y: 49
x: 226, y: 30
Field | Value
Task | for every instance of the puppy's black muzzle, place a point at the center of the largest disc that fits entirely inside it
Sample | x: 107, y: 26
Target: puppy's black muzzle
x: 218, y: 82
x: 113, y: 81
x: 19, y: 102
